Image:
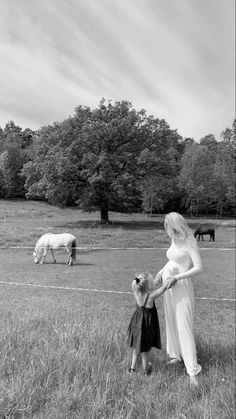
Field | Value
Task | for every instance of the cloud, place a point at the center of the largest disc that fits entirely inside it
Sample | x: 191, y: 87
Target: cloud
x: 175, y: 59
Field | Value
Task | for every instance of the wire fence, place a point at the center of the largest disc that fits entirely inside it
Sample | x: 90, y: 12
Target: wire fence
x: 97, y: 290
x: 116, y: 248
x: 90, y: 248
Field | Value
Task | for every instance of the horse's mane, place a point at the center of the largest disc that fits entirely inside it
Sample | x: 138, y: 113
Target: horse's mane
x: 39, y: 242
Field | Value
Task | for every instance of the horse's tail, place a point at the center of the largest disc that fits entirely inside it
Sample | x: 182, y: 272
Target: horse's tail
x: 213, y: 234
x: 73, y: 249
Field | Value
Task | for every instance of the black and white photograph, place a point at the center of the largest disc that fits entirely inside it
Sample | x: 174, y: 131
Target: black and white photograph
x: 117, y: 209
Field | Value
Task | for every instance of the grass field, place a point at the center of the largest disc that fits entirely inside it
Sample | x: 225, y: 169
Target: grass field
x: 63, y: 351
x: 23, y: 222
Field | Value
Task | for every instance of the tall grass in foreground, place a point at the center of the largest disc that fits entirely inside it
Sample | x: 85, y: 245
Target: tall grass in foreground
x: 75, y: 366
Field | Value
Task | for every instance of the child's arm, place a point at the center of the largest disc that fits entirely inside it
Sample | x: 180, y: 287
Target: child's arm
x: 134, y: 289
x: 168, y: 284
x: 172, y: 277
x: 157, y: 293
x: 158, y: 277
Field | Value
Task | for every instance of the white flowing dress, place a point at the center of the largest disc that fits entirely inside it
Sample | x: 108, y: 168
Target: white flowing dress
x: 179, y: 309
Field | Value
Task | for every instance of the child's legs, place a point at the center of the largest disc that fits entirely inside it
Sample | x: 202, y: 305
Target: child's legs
x: 135, y: 356
x: 145, y: 360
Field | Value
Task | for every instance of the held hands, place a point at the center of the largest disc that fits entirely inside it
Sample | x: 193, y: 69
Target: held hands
x: 171, y: 278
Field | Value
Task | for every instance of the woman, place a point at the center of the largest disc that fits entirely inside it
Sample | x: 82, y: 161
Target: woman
x: 183, y: 254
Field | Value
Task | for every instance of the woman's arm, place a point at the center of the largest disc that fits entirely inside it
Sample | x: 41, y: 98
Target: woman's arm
x: 196, y: 260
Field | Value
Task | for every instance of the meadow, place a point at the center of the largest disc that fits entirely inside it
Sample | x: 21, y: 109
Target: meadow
x: 63, y: 329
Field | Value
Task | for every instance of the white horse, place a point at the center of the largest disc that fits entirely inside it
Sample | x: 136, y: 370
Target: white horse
x: 50, y: 241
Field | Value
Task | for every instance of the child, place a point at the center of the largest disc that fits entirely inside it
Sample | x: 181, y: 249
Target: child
x: 143, y: 330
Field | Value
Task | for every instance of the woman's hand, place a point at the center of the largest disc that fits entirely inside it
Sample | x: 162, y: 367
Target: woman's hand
x: 174, y: 271
x: 171, y: 278
x: 158, y: 279
x: 171, y: 281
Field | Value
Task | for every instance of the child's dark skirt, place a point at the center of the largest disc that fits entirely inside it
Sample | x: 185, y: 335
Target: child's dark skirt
x: 144, y: 330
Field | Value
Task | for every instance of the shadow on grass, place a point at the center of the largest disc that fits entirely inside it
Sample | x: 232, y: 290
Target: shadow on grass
x: 78, y: 263
x: 209, y: 354
x: 215, y: 354
x: 128, y: 225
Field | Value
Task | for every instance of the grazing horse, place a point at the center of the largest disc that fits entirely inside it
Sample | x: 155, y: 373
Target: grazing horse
x: 205, y: 230
x: 50, y: 241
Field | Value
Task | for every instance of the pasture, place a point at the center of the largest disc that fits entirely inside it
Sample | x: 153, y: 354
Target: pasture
x: 63, y: 349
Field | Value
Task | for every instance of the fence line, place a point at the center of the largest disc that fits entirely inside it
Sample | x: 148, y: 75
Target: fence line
x: 116, y: 248
x: 98, y: 290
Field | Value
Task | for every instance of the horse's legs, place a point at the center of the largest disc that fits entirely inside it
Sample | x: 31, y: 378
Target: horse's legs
x: 70, y: 261
x: 202, y: 237
x: 45, y: 250
x: 53, y: 256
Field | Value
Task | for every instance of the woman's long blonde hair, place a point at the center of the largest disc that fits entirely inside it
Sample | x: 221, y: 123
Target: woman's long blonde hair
x: 179, y: 226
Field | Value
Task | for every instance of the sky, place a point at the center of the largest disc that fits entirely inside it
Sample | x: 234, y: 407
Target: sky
x: 174, y: 58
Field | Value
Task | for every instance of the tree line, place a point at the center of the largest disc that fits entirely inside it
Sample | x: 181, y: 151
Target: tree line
x: 115, y: 158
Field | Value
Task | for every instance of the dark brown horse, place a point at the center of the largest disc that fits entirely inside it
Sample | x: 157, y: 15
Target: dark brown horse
x: 201, y: 231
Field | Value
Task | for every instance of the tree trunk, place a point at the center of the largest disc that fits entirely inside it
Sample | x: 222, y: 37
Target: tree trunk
x: 191, y: 209
x: 104, y: 216
x: 197, y: 206
x: 221, y: 209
